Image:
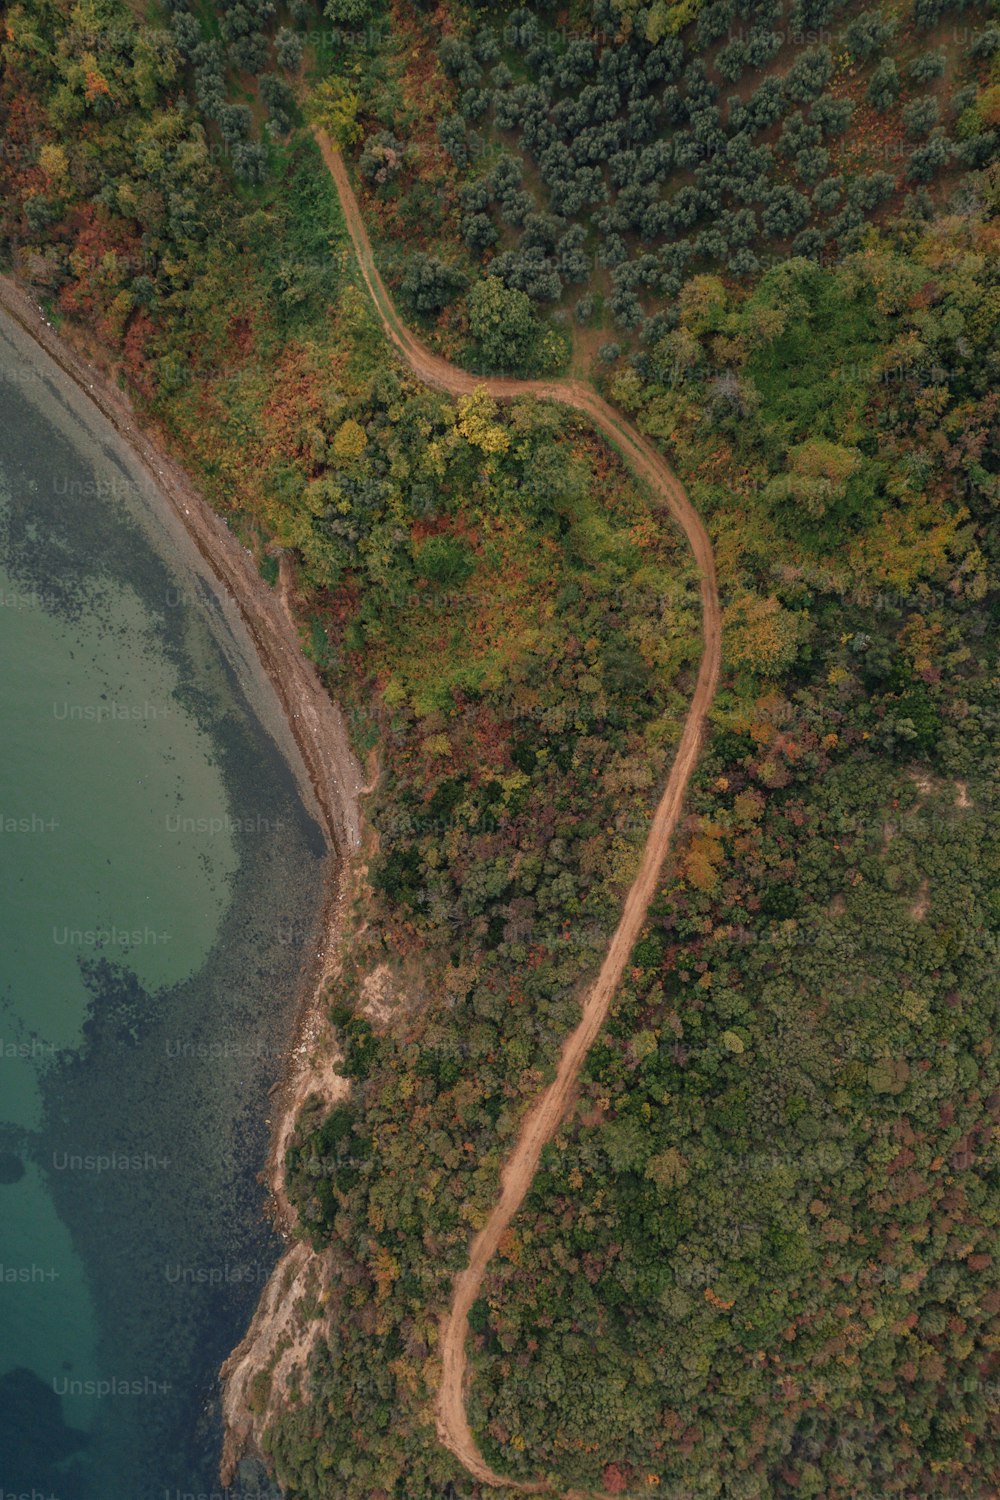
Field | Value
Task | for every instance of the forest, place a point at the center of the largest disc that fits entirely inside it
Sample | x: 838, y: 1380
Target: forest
x: 759, y: 1259
x: 597, y: 170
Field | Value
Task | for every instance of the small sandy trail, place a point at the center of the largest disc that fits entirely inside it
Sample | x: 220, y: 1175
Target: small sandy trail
x: 550, y: 1107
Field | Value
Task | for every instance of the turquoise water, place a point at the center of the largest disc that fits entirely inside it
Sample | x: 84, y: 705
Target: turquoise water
x: 159, y: 885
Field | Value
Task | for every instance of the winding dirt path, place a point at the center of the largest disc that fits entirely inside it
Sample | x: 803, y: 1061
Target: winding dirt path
x: 550, y: 1107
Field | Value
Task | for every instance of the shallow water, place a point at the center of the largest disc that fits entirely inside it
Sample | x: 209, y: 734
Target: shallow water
x: 160, y: 880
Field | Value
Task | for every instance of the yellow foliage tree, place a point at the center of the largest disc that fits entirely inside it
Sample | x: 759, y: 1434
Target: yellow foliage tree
x: 477, y: 422
x: 668, y: 1169
x: 760, y: 633
x: 702, y: 304
x: 53, y: 162
x: 350, y: 439
x: 818, y: 472
x: 703, y: 857
x: 334, y: 108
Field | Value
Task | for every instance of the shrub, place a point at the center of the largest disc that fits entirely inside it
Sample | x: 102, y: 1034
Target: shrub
x: 985, y: 43
x: 381, y: 158
x: 444, y: 559
x: 762, y: 45
x: 784, y: 211
x: 866, y: 193
x: 454, y: 138
x: 235, y: 122
x: 475, y: 103
x: 530, y: 271
x: 831, y: 115
x: 929, y: 159
x: 187, y: 33
x: 927, y: 13
x: 733, y: 58
x: 926, y: 67
x: 430, y: 284
x: 459, y: 63
x: 280, y: 102
x: 250, y: 161
x: 919, y: 116
x: 347, y: 12
x: 486, y: 46
x: 626, y: 308
x: 766, y: 105
x: 811, y: 162
x: 479, y: 232
x: 883, y: 86
x: 288, y: 49
x: 827, y: 194
x: 809, y: 74
x: 249, y: 53
x: 867, y: 35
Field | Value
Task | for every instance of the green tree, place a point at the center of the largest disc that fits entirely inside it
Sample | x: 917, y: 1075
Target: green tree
x: 504, y: 324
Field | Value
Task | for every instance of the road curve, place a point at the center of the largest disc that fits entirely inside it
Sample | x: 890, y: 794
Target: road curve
x: 550, y: 1107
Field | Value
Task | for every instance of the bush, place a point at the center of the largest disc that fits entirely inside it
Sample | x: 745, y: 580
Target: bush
x: 347, y: 12
x: 743, y: 263
x: 280, y: 102
x: 827, y: 194
x: 929, y: 159
x: 927, y: 13
x: 529, y: 270
x: 985, y: 43
x: 809, y: 243
x: 784, y: 211
x: 809, y: 74
x: 486, y: 46
x: 430, y: 284
x: 455, y: 139
x: 883, y: 86
x: 867, y: 35
x: 475, y: 103
x: 572, y: 261
x: 811, y: 162
x: 866, y: 193
x: 235, y: 121
x: 250, y: 161
x: 766, y: 105
x: 479, y: 231
x: 459, y: 63
x: 381, y: 159
x: 926, y: 67
x: 626, y: 308
x: 187, y: 33
x: 832, y: 115
x: 733, y: 58
x: 978, y: 150
x: 446, y: 560
x: 920, y: 116
x: 288, y: 49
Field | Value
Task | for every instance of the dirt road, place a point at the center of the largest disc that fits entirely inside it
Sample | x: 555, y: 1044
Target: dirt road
x: 549, y: 1109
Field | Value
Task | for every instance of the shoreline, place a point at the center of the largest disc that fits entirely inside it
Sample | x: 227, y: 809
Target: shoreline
x: 331, y: 783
